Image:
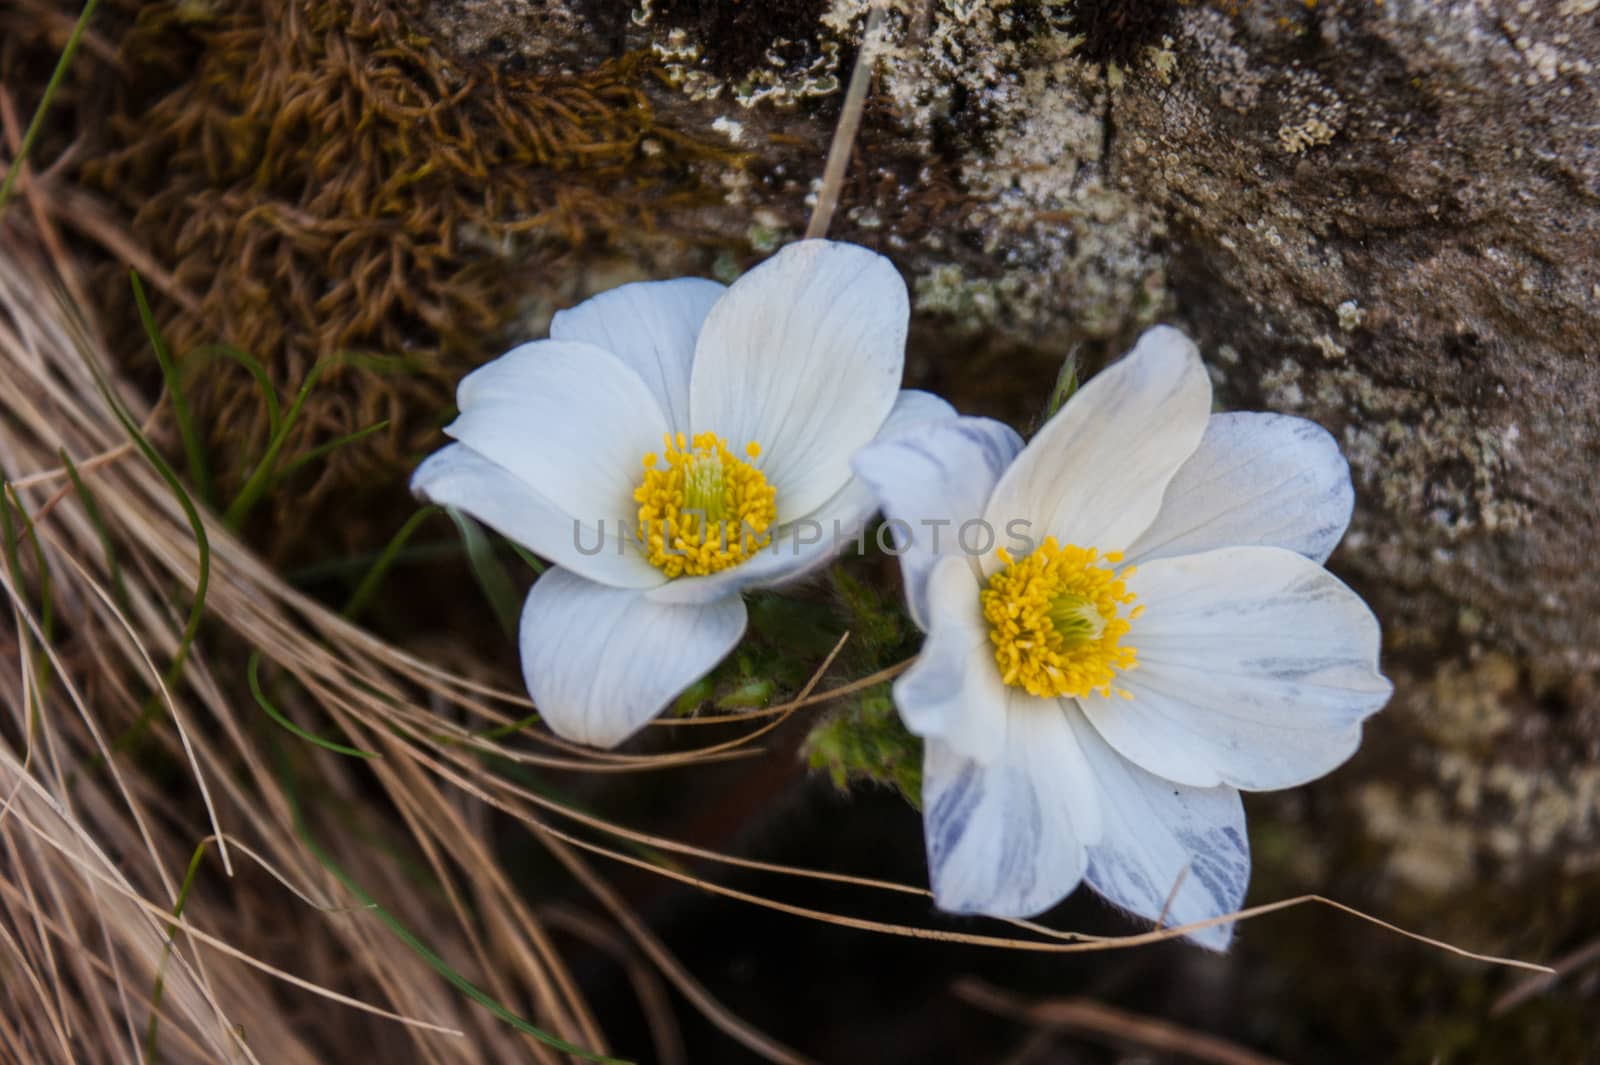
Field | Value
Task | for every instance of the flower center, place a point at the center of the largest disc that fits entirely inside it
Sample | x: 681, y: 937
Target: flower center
x: 702, y: 508
x: 1055, y: 623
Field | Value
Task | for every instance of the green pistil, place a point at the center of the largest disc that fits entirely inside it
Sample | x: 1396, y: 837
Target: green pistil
x: 1076, y: 619
x: 704, y: 488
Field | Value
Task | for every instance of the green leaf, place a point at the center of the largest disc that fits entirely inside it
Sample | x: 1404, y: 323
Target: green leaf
x: 867, y: 741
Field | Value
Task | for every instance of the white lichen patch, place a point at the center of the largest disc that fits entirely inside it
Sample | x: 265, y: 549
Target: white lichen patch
x: 1308, y: 134
x: 1052, y: 128
x: 1239, y: 80
x: 946, y: 290
x: 1068, y: 245
x: 1536, y: 813
x: 792, y: 71
x: 1544, y: 46
x: 784, y: 81
x: 1350, y: 315
x: 1429, y: 851
x: 1476, y: 812
x: 767, y: 233
x: 1444, y: 465
x: 1281, y: 385
x: 1162, y: 60
x: 929, y: 52
x: 1469, y: 705
x: 1317, y: 112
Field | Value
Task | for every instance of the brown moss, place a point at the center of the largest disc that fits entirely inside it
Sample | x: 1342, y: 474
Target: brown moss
x: 325, y: 179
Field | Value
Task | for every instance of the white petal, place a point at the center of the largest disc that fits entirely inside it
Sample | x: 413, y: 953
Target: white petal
x: 1009, y: 839
x: 804, y: 355
x: 651, y: 326
x: 1256, y: 668
x: 932, y: 482
x: 1159, y: 836
x: 953, y: 692
x: 601, y: 662
x: 457, y: 476
x: 803, y: 544
x: 570, y: 420
x: 1269, y: 480
x: 1095, y: 474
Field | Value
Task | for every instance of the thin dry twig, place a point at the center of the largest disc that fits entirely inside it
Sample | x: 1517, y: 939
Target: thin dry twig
x: 1538, y: 984
x: 647, y: 985
x: 844, y: 134
x: 1108, y: 1023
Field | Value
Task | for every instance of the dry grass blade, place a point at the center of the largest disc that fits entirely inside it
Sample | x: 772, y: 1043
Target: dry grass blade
x: 647, y: 984
x: 89, y: 918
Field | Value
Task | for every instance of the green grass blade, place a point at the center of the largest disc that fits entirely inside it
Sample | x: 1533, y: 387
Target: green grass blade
x: 13, y: 552
x: 91, y: 507
x: 255, y: 486
x: 8, y: 529
x: 47, y: 609
x: 199, y: 469
x: 57, y: 76
x: 197, y: 608
x: 1066, y: 386
x: 330, y: 569
x: 269, y: 394
x: 527, y: 556
x: 491, y: 575
x: 253, y: 670
x: 511, y: 729
x: 150, y: 1055
x: 369, y: 584
x: 323, y: 450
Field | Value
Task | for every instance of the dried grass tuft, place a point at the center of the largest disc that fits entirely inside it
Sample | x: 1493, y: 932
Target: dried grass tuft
x: 283, y: 840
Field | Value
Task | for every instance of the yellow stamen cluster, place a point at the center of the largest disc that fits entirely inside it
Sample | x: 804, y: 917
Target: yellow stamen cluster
x: 1054, y: 620
x: 702, y: 508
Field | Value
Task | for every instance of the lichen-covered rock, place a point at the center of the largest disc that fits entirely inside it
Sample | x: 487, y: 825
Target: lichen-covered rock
x: 1388, y: 220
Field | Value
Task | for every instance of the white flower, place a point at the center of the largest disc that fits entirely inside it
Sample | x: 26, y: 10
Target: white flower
x: 1150, y: 631
x: 719, y: 423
